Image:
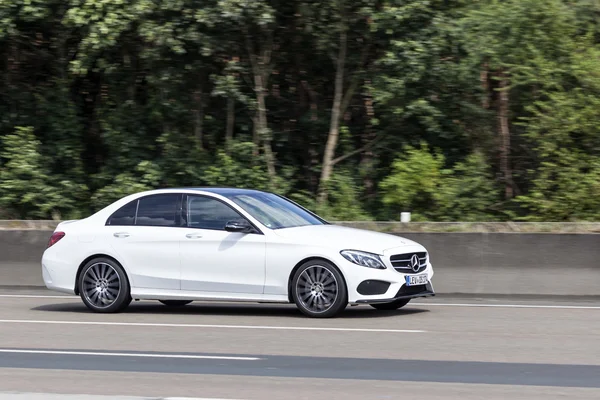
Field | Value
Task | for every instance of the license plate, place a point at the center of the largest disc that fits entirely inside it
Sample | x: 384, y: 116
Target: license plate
x: 412, y: 280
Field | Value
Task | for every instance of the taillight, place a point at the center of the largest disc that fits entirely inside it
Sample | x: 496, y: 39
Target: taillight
x: 56, y: 236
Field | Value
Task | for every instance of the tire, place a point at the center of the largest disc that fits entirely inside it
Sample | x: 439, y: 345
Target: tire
x: 103, y: 286
x: 175, y: 303
x: 326, y: 297
x: 394, y: 305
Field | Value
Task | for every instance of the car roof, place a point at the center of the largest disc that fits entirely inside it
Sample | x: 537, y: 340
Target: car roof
x: 223, y: 191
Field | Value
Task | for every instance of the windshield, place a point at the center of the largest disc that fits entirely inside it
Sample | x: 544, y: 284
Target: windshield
x: 275, y: 212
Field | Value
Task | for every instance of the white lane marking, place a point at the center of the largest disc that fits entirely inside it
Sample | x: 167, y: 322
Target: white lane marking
x: 140, y: 355
x: 507, y: 306
x: 186, y: 398
x: 37, y: 296
x: 284, y: 328
x: 182, y: 398
x: 62, y: 396
x: 67, y: 297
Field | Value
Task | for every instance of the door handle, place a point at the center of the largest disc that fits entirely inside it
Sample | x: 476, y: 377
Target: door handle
x: 193, y: 236
x: 121, y: 234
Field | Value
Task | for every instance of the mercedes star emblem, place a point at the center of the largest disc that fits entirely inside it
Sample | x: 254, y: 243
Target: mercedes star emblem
x: 414, y: 262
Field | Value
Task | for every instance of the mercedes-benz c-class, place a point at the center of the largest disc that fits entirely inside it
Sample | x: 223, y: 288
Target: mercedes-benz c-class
x: 226, y: 244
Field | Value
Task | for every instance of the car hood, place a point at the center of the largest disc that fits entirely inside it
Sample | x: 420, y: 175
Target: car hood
x: 342, y: 237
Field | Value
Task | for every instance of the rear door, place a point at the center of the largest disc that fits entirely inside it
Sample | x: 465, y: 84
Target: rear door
x: 145, y: 236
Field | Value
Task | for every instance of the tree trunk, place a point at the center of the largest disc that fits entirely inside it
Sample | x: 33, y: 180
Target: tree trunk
x: 334, y: 125
x: 12, y: 74
x: 255, y: 137
x: 261, y: 69
x: 369, y: 136
x: 199, y: 118
x: 263, y: 128
x: 230, y: 123
x: 485, y: 84
x: 503, y: 107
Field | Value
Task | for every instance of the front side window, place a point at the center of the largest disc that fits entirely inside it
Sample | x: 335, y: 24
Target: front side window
x: 206, y: 213
x: 158, y: 210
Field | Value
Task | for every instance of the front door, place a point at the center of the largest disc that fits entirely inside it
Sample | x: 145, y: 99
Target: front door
x: 145, y: 236
x: 215, y: 260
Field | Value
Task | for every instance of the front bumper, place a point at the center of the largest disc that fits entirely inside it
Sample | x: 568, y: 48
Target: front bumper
x: 370, y: 286
x: 405, y: 292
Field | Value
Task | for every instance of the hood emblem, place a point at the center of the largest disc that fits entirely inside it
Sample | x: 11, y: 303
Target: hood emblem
x: 414, y: 262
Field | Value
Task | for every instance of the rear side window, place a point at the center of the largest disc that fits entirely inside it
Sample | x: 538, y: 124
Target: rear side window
x: 158, y: 210
x: 124, y: 215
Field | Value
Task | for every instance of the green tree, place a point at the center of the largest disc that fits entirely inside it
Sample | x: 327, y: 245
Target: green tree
x: 467, y: 192
x: 27, y: 188
x: 411, y: 186
x: 328, y: 105
x: 565, y: 137
x: 422, y: 185
x: 520, y: 47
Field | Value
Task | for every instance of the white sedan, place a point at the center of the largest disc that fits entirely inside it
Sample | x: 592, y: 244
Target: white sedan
x: 227, y: 244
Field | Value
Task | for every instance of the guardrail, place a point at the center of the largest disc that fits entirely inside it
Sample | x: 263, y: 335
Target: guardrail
x: 474, y: 259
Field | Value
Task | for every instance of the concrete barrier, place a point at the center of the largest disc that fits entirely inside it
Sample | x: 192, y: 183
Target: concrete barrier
x: 20, y: 256
x: 514, y: 263
x: 474, y: 263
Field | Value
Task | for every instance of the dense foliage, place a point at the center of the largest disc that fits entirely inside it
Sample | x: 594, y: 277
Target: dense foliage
x: 467, y: 110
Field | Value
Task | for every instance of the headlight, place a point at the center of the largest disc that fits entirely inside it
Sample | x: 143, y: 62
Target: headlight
x: 362, y: 258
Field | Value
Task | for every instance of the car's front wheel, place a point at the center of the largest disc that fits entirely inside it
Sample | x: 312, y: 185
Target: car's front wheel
x: 319, y: 289
x: 103, y: 286
x: 175, y: 303
x: 393, y: 305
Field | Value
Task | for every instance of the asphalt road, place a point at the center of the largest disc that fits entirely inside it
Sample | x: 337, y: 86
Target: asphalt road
x: 435, y: 349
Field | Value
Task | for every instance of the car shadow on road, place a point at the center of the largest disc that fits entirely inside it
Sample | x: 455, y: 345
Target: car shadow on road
x: 241, y: 310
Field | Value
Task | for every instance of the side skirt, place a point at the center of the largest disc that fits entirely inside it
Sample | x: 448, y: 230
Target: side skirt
x: 152, y: 294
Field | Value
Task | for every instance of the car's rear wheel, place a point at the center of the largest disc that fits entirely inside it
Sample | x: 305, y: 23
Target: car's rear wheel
x: 319, y: 290
x: 175, y: 303
x: 103, y: 286
x: 393, y: 305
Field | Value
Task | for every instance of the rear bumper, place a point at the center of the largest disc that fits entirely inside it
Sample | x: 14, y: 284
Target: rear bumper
x: 57, y: 274
x: 405, y: 292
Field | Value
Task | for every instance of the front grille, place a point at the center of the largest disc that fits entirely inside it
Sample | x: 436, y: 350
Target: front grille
x: 403, y: 262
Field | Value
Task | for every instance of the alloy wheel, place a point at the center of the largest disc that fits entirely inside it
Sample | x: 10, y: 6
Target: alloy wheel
x: 317, y: 289
x: 104, y: 286
x: 101, y: 285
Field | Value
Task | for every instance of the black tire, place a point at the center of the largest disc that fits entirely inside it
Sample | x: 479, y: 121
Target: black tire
x: 299, y: 283
x: 116, y: 279
x: 394, y: 305
x: 175, y: 303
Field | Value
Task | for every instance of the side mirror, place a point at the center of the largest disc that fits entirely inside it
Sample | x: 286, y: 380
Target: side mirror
x: 238, y: 226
